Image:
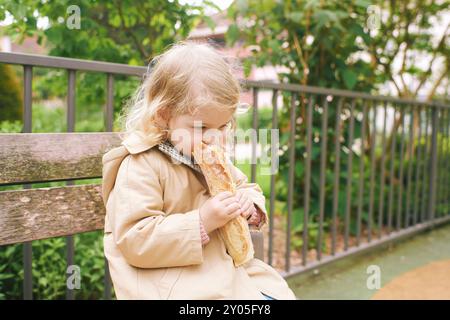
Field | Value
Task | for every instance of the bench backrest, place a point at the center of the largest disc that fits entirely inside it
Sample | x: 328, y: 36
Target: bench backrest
x: 39, y: 213
x: 32, y: 214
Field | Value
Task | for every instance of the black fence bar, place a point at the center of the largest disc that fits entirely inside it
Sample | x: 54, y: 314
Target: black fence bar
x: 400, y: 178
x: 107, y: 294
x: 27, y: 128
x: 444, y: 154
x: 440, y: 165
x: 71, y: 64
x: 270, y: 85
x: 438, y: 161
x: 382, y: 173
x: 274, y: 151
x: 337, y: 151
x: 109, y: 106
x: 392, y: 172
x: 418, y: 167
x: 254, y: 136
x: 28, y: 103
x: 432, y: 164
x: 447, y: 165
x: 373, y: 136
x: 291, y: 178
x: 323, y: 157
x: 361, y: 172
x: 308, y: 156
x: 424, y: 195
x: 442, y: 161
x: 349, y: 174
x: 71, y: 103
x: 109, y: 121
x: 409, y: 174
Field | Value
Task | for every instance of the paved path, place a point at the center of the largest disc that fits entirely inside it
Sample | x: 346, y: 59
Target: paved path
x: 418, y: 268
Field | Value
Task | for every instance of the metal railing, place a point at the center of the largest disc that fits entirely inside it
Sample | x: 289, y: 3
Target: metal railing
x: 409, y: 199
x: 335, y: 192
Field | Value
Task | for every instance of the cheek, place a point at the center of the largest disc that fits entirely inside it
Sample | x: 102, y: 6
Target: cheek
x: 182, y: 140
x: 214, y: 136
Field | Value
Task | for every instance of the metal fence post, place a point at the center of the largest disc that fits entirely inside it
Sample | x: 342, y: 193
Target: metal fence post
x: 432, y: 163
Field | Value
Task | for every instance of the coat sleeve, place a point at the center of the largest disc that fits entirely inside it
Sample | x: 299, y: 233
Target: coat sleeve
x: 253, y: 190
x: 144, y: 233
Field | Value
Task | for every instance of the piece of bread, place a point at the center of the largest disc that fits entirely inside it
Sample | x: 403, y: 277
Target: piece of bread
x: 236, y: 233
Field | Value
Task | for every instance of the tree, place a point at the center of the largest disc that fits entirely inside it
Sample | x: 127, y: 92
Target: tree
x: 336, y: 44
x: 349, y: 44
x: 122, y: 31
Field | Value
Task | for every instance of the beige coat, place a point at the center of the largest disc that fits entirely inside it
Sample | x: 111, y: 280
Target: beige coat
x: 152, y: 232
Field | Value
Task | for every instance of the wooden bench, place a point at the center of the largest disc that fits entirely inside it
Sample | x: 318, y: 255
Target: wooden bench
x: 33, y: 214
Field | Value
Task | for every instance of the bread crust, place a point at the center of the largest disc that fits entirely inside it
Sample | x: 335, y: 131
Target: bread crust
x: 236, y: 233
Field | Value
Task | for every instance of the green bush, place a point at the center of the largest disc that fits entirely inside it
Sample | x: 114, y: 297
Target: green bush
x: 49, y: 268
x: 11, y: 101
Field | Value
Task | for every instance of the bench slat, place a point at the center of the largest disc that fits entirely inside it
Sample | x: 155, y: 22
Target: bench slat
x: 36, y: 157
x: 33, y: 214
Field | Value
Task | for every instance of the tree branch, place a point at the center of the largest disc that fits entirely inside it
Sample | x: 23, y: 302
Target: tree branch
x: 426, y: 73
x: 137, y: 43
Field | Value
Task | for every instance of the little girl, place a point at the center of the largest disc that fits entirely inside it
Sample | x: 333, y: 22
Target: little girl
x: 161, y: 227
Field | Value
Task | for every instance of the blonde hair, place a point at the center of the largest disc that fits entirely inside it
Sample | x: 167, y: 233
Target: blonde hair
x: 186, y: 77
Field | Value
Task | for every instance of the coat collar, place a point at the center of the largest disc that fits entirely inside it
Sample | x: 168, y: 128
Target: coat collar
x: 135, y: 143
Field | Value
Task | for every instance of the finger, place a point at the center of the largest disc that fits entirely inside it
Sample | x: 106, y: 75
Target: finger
x: 224, y: 195
x: 253, y: 212
x: 246, y: 214
x: 247, y: 204
x: 232, y: 208
x: 226, y: 202
x: 246, y: 209
x: 244, y: 200
x: 240, y: 195
x: 235, y: 214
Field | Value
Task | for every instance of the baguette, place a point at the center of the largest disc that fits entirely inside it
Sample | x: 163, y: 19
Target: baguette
x: 236, y: 233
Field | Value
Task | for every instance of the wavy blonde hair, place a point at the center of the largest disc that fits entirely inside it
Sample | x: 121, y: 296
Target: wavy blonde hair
x: 186, y: 77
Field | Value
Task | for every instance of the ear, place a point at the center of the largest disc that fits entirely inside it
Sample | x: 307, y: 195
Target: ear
x: 162, y: 117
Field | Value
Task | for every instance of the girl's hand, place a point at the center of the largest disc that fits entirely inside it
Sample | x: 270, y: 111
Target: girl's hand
x: 247, y: 206
x: 218, y: 210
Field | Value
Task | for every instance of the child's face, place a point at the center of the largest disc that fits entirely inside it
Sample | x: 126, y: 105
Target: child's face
x: 208, y: 124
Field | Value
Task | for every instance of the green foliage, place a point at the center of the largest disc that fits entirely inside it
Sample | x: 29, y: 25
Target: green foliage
x: 331, y: 44
x: 314, y: 40
x: 10, y: 126
x: 129, y: 32
x: 11, y: 100
x: 348, y: 44
x: 49, y: 268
